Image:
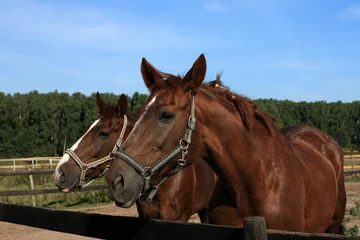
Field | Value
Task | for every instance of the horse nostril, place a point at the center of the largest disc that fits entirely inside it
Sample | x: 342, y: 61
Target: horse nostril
x: 62, y: 177
x: 119, y: 181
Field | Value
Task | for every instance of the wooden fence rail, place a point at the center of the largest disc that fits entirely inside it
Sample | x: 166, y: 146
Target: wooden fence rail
x: 51, y: 162
x: 119, y: 227
x: 32, y: 192
x: 347, y: 173
x: 29, y: 172
x: 33, y: 160
x: 46, y: 191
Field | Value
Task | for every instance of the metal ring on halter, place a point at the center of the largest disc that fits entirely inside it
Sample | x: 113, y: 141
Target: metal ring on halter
x: 143, y: 202
x: 183, y: 141
x: 139, y: 199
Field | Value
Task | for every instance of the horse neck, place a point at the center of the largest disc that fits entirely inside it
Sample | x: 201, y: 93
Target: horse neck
x: 237, y: 155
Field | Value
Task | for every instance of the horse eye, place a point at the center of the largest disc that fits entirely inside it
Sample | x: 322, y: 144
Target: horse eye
x: 166, y: 116
x: 103, y: 135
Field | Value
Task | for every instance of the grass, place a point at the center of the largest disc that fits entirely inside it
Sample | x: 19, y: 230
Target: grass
x: 348, y: 163
x: 55, y: 201
x: 353, y: 212
x: 353, y: 231
x: 355, y: 178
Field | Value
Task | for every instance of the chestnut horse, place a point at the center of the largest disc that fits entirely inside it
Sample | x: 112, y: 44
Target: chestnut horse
x: 89, y: 158
x: 172, y: 202
x: 293, y: 177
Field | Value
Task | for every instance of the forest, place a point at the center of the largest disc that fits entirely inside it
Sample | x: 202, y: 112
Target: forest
x: 44, y: 124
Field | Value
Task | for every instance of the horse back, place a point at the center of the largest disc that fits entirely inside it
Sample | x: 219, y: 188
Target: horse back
x: 309, y: 139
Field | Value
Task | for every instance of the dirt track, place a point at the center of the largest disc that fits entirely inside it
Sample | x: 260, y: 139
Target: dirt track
x: 13, y: 231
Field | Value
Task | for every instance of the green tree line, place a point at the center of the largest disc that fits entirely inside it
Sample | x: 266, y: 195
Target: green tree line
x: 43, y: 124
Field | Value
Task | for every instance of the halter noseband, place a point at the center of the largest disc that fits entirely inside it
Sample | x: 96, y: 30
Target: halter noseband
x: 148, y: 171
x: 84, y: 167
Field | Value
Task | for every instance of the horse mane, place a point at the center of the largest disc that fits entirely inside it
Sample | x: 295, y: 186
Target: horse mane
x: 217, y: 82
x: 246, y: 108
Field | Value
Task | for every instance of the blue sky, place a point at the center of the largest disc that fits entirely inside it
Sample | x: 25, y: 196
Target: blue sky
x: 302, y: 50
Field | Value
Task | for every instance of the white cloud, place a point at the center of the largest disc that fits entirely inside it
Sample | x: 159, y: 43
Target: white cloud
x: 306, y: 78
x: 81, y: 27
x: 295, y: 65
x: 222, y: 6
x: 272, y: 88
x: 349, y: 13
x: 49, y: 45
x: 24, y: 72
x: 215, y: 6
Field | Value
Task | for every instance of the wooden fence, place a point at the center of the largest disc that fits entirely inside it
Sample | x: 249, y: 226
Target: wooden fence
x: 51, y: 162
x: 119, y: 227
x: 111, y: 227
x: 32, y: 190
x: 36, y: 162
x: 352, y: 156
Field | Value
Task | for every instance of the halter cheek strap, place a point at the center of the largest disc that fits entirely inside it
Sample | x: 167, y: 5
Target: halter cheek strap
x: 84, y: 167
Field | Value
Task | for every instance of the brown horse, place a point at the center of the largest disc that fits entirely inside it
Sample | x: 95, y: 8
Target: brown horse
x: 89, y: 157
x: 172, y: 202
x: 294, y: 177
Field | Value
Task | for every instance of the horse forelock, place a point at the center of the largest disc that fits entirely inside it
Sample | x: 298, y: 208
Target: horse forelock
x: 110, y: 110
x: 172, y: 83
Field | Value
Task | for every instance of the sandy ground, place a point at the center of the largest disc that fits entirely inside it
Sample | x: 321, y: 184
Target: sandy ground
x: 353, y: 195
x: 13, y: 231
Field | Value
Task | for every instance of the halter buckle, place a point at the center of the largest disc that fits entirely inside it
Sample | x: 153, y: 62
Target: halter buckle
x: 147, y: 173
x: 182, y: 162
x: 191, y: 122
x: 184, y: 144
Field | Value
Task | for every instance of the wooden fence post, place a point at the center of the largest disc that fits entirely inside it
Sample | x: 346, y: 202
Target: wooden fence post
x: 255, y: 228
x: 32, y: 188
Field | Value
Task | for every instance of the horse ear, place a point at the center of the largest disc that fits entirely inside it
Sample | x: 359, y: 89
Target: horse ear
x: 99, y: 103
x: 149, y: 73
x: 122, y: 105
x: 195, y: 76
